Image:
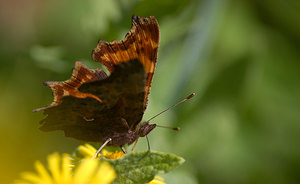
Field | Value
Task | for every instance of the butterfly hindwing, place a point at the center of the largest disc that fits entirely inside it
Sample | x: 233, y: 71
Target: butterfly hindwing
x: 82, y: 119
x: 88, y: 119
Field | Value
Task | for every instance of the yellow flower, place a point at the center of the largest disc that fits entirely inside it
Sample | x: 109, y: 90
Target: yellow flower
x: 112, y: 155
x: 157, y: 180
x: 67, y: 169
x: 88, y: 151
x: 87, y: 172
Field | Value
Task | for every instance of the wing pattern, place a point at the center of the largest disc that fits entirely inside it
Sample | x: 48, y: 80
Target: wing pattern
x: 89, y: 120
x: 140, y: 43
x: 90, y: 106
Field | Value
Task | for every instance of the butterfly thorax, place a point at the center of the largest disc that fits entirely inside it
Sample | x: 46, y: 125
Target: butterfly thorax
x: 120, y: 139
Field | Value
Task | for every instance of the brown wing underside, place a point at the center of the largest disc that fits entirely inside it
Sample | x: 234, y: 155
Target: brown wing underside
x: 89, y: 120
x: 140, y: 43
x: 91, y: 106
x: 83, y: 119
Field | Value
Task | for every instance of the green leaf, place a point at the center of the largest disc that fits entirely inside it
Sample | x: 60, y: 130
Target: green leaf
x: 141, y: 167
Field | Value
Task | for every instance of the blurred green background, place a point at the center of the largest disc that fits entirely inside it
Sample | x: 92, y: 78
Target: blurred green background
x: 241, y: 58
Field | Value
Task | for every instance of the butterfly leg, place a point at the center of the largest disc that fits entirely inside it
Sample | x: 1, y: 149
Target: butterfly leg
x: 123, y: 149
x: 101, y: 147
x: 135, y: 144
x: 148, y: 143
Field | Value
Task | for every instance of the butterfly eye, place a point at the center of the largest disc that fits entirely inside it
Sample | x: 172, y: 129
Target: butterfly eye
x: 146, y: 129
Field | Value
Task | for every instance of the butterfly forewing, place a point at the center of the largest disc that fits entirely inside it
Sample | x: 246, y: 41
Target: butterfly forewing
x: 140, y: 43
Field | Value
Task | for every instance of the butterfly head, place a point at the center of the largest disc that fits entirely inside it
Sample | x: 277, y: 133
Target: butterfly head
x: 145, y: 128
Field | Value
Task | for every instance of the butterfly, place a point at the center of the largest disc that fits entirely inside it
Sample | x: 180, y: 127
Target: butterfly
x: 94, y: 107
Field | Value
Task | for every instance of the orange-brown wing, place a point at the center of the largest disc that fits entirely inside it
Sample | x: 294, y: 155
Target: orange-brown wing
x: 81, y: 74
x: 140, y: 43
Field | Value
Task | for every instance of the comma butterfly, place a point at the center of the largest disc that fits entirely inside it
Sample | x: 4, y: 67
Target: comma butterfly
x: 94, y: 107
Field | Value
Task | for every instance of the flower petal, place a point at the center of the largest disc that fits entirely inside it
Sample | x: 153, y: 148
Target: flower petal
x: 85, y: 170
x: 105, y: 174
x: 32, y: 177
x: 87, y: 150
x: 44, y: 175
x: 54, y: 166
x: 66, y: 168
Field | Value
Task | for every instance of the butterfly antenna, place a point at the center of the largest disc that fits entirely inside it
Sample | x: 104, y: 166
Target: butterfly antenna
x: 189, y: 97
x: 172, y: 128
